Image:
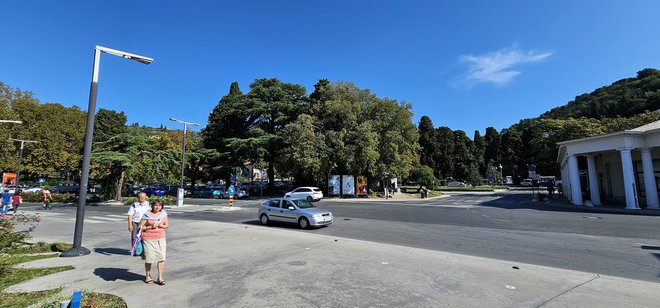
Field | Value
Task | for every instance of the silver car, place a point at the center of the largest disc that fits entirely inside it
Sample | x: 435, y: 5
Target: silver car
x: 301, y: 212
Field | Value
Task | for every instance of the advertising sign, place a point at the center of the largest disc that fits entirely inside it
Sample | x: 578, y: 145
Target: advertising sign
x: 333, y: 185
x: 362, y: 188
x: 348, y: 185
x: 8, y: 178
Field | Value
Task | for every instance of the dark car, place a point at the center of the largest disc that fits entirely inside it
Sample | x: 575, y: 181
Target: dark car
x: 161, y: 190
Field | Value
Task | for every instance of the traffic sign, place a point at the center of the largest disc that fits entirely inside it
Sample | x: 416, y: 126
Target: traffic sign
x: 41, y: 180
x: 231, y: 190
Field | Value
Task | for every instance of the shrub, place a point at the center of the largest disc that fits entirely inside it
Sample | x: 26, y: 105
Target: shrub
x: 11, y: 239
x: 58, y: 198
x: 422, y: 175
x: 167, y: 200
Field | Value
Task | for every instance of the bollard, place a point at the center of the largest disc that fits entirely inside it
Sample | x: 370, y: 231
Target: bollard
x: 231, y: 200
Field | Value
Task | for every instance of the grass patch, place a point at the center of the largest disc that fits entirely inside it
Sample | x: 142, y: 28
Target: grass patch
x: 26, y: 299
x: 10, y: 276
x: 90, y: 299
x: 41, y: 247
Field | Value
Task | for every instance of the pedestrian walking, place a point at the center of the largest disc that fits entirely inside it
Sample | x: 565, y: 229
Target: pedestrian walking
x: 6, y: 200
x: 47, y: 198
x: 551, y: 189
x: 135, y: 213
x: 153, y: 224
x: 16, y: 200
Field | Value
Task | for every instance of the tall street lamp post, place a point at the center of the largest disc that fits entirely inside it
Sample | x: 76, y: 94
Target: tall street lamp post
x: 179, y: 197
x: 77, y: 249
x: 20, y: 157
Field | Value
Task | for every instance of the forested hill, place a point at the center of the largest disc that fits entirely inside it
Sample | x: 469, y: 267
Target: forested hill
x: 624, y: 98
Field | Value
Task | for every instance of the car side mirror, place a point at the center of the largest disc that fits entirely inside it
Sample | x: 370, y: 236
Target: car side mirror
x: 292, y: 208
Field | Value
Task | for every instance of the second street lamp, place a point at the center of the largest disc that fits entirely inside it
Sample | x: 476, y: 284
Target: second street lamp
x: 20, y: 157
x: 180, y: 193
x: 77, y: 249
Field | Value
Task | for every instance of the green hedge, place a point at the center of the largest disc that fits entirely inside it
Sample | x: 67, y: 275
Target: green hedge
x: 57, y: 198
x: 167, y: 200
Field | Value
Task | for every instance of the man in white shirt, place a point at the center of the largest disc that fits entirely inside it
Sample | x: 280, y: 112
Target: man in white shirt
x: 135, y: 213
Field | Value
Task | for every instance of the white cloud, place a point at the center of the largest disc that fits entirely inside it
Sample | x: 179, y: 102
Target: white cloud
x: 498, y: 67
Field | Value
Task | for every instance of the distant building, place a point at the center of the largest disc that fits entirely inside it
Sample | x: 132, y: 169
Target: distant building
x: 620, y: 167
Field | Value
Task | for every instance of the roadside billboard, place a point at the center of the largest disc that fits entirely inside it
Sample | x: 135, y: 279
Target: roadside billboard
x: 8, y: 178
x: 362, y: 188
x: 348, y: 185
x: 333, y: 185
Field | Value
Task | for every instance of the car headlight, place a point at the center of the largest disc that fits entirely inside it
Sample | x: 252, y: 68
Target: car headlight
x: 317, y: 216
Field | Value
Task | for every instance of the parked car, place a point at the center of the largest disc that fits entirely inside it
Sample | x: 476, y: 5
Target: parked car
x: 457, y: 184
x: 526, y: 182
x: 161, y: 190
x: 34, y: 189
x: 203, y: 193
x: 222, y: 194
x: 306, y: 193
x: 297, y: 211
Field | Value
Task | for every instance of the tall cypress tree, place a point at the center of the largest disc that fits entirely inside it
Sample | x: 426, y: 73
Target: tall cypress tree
x: 427, y: 142
x: 479, y: 152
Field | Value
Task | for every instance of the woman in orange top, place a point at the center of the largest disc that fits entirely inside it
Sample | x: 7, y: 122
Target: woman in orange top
x: 153, y: 224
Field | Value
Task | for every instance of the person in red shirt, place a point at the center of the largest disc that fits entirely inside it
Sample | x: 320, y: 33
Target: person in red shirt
x: 153, y: 224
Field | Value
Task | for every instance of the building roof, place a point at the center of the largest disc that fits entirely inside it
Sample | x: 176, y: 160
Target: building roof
x: 647, y: 127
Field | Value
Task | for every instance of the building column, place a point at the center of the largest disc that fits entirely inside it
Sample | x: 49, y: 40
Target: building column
x: 574, y: 174
x: 594, y: 188
x: 649, y: 180
x: 628, y: 179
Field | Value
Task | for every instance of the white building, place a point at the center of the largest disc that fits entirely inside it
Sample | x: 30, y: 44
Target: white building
x: 617, y: 168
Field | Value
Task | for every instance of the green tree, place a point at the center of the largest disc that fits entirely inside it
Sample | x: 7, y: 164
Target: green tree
x: 274, y: 105
x: 422, y: 175
x: 445, y: 154
x: 427, y: 142
x: 492, y: 152
x: 306, y: 152
x: 232, y: 119
x: 479, y: 152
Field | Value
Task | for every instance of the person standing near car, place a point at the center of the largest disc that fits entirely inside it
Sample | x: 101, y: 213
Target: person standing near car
x: 135, y: 213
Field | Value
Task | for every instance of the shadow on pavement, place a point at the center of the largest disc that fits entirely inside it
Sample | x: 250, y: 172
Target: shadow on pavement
x: 113, y: 274
x: 112, y: 251
x: 282, y: 225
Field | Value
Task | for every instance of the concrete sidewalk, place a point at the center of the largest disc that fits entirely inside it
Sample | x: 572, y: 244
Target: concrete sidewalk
x: 213, y: 264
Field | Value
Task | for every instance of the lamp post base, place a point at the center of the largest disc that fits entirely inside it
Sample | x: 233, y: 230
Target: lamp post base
x: 75, y: 252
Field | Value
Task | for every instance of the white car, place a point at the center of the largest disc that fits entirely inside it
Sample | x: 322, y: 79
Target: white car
x: 526, y: 182
x: 305, y: 193
x: 34, y: 189
x: 457, y: 184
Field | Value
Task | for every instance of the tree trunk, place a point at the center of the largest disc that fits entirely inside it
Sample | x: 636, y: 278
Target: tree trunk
x: 271, y: 173
x: 118, y: 185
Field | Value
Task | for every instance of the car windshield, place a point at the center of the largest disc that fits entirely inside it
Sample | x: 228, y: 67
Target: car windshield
x: 303, y: 204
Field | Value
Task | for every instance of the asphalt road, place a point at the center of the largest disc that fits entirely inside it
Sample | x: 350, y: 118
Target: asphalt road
x: 504, y: 226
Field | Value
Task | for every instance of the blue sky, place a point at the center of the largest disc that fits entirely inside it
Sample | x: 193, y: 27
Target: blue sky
x: 466, y: 64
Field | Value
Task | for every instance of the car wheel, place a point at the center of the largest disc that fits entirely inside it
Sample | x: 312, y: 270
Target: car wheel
x: 310, y: 199
x: 303, y: 223
x: 264, y: 219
